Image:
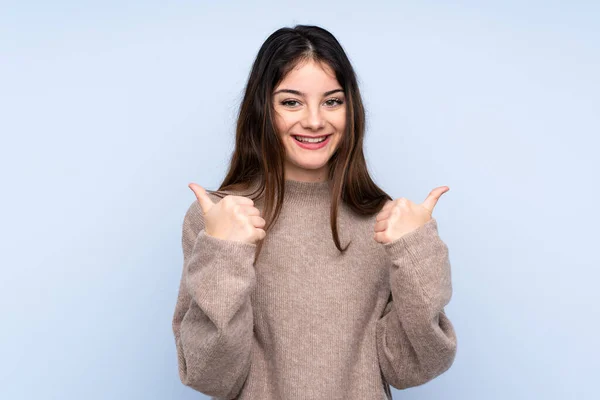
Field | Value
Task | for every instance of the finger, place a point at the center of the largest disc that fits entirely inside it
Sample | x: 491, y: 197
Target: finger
x: 387, y: 205
x: 258, y: 222
x: 381, y: 226
x: 261, y: 233
x: 431, y: 200
x: 249, y: 210
x: 385, y: 214
x: 205, y: 201
x: 242, y: 200
x: 379, y: 237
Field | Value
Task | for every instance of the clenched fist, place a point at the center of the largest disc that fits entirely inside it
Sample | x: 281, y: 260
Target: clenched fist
x: 232, y: 218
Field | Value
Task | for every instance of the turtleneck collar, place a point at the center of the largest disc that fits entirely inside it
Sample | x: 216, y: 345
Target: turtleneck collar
x: 305, y: 193
x: 299, y: 193
x: 295, y: 188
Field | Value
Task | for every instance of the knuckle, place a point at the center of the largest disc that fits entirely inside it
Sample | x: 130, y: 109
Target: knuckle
x: 227, y: 200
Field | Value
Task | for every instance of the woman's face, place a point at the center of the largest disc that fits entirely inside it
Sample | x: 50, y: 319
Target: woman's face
x: 309, y: 102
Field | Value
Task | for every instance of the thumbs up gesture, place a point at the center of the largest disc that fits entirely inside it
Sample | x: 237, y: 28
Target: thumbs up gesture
x: 401, y: 216
x: 232, y: 218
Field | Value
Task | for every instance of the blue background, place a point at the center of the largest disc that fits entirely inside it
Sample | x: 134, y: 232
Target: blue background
x: 109, y: 109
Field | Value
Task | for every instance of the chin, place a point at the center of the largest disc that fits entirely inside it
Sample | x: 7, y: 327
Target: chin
x: 308, y: 166
x: 311, y: 166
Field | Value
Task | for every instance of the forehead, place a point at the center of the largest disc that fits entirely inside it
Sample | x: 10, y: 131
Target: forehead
x: 310, y: 76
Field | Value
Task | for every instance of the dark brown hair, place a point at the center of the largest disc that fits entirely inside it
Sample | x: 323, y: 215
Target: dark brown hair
x: 259, y: 155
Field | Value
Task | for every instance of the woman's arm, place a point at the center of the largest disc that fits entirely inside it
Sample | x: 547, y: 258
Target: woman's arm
x: 416, y: 341
x: 213, y: 320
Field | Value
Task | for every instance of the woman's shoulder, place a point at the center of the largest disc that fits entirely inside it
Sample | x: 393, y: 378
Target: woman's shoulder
x: 194, y: 216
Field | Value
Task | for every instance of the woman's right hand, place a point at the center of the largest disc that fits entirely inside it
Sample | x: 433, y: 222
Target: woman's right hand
x: 232, y: 218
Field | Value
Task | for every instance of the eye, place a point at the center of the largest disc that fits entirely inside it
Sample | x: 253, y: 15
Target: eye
x: 336, y: 101
x: 286, y: 102
x: 330, y: 103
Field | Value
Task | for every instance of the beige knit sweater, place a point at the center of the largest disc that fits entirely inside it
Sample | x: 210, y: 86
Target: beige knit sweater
x: 307, y: 322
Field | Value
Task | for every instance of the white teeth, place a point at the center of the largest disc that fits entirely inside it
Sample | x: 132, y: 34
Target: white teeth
x: 310, y: 140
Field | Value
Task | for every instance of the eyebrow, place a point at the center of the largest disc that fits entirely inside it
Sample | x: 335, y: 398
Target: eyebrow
x: 302, y: 94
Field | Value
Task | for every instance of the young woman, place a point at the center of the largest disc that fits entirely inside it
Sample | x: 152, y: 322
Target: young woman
x: 339, y: 291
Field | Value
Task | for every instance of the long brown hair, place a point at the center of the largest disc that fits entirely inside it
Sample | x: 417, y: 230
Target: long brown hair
x: 259, y: 154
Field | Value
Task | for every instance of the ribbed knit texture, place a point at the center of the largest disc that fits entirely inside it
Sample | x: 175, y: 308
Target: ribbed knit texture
x: 307, y: 322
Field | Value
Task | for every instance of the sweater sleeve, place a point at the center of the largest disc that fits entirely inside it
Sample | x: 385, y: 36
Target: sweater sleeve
x: 213, y: 320
x: 416, y: 341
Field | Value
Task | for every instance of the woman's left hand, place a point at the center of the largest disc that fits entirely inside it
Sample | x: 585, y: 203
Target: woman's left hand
x: 401, y: 216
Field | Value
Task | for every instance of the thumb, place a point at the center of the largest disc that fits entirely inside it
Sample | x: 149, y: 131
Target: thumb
x: 205, y: 201
x: 433, y: 197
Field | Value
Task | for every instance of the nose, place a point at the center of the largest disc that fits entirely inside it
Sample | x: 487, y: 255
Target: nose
x: 313, y: 119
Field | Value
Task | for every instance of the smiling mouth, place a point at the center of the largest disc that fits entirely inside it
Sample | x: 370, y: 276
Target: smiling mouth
x: 310, y: 139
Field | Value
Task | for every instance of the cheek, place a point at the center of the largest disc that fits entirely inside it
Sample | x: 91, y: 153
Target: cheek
x: 280, y: 123
x: 283, y: 122
x: 340, y: 122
